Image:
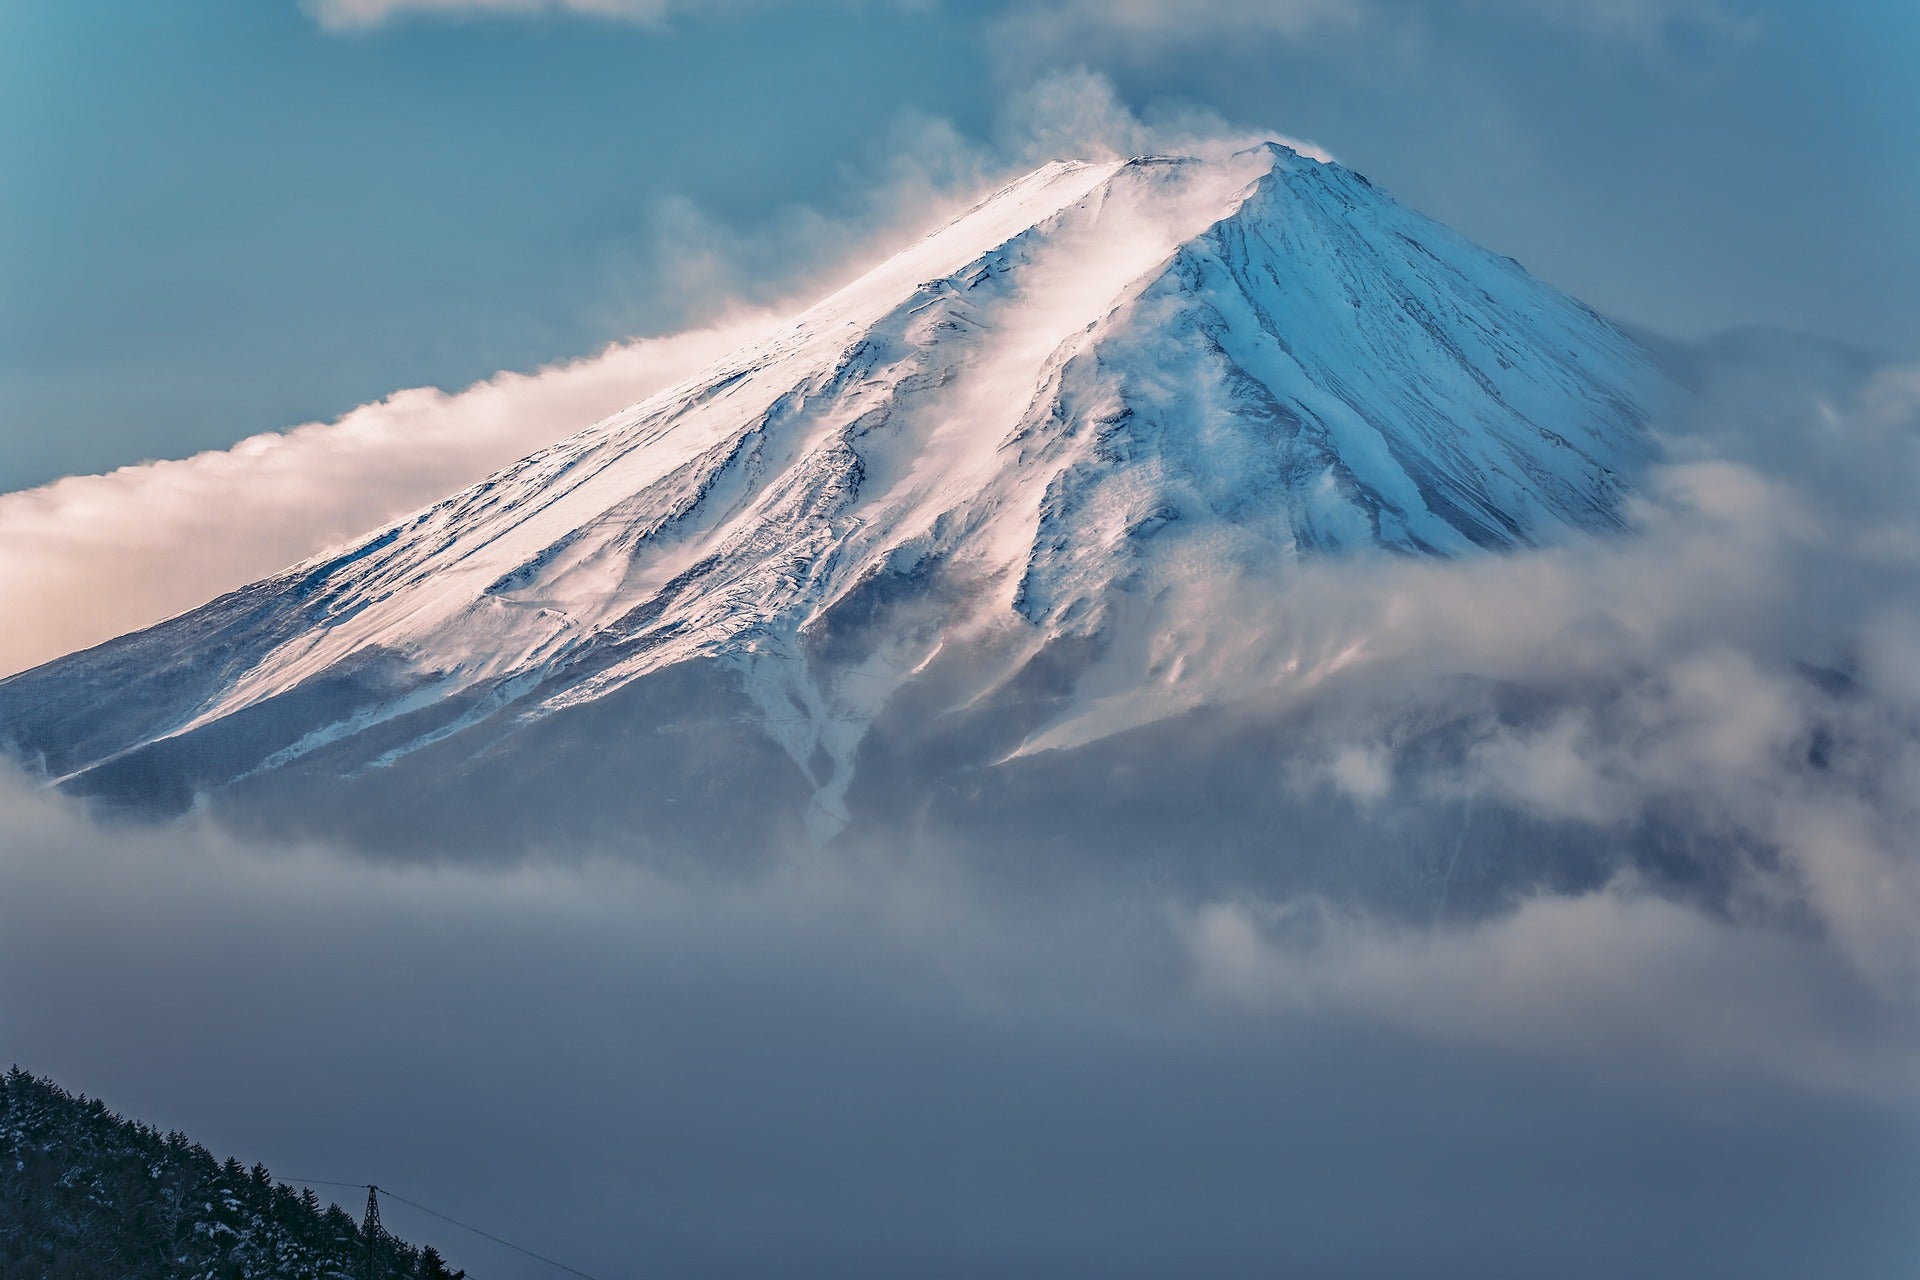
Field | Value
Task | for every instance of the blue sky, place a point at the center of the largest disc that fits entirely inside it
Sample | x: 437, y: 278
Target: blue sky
x: 219, y: 217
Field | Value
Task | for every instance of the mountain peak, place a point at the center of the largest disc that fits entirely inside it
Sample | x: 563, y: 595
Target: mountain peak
x: 1274, y: 147
x: 1103, y: 382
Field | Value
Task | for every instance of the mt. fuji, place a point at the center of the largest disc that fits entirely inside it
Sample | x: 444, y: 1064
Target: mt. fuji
x: 895, y: 539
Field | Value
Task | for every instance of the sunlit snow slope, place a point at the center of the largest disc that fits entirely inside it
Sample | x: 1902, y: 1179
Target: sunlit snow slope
x: 1104, y: 379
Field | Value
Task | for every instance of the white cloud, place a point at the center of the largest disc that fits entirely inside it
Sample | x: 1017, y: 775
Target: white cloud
x: 1740, y: 671
x: 1637, y: 20
x: 1060, y: 20
x: 353, y: 15
x: 1078, y: 114
x: 1622, y: 976
x: 1146, y: 28
x: 1143, y: 17
x: 89, y: 557
x: 361, y: 15
x: 1066, y: 26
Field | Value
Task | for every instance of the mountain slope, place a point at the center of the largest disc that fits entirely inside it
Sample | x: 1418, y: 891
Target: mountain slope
x: 997, y: 450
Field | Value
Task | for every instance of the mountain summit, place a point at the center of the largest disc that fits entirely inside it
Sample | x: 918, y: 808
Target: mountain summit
x: 933, y: 499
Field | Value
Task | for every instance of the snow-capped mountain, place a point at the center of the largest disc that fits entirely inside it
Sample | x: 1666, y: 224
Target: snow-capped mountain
x: 933, y: 495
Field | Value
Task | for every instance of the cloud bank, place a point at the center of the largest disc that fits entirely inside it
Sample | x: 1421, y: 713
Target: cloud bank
x: 850, y: 1065
x: 876, y: 1059
x: 360, y: 15
x: 1725, y: 697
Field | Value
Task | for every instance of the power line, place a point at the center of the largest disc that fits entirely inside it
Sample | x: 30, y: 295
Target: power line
x: 537, y: 1257
x: 464, y: 1226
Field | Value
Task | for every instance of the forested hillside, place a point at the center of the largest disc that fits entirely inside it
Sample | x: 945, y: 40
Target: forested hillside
x: 88, y: 1195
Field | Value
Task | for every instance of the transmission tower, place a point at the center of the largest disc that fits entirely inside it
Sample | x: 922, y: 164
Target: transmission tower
x: 372, y: 1229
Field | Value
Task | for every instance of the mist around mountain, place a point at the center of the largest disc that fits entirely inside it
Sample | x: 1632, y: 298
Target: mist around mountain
x: 976, y: 512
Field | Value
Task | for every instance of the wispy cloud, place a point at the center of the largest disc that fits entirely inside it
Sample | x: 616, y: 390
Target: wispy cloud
x: 361, y: 15
x: 358, y: 15
x: 89, y: 557
x: 1083, y: 29
x: 1058, y: 24
x: 1724, y: 697
x: 1644, y: 21
x: 1056, y: 21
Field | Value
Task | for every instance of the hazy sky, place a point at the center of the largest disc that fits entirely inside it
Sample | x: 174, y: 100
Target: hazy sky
x: 219, y: 217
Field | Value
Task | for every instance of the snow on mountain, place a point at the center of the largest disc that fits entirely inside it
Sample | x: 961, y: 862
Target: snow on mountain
x: 1105, y: 381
